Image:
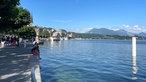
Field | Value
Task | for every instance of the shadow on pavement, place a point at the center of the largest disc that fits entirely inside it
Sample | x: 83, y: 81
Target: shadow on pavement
x: 15, y: 64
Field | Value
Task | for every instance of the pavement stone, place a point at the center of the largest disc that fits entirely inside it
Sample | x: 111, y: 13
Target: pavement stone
x: 16, y: 64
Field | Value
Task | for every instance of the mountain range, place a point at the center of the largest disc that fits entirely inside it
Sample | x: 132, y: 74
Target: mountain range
x: 121, y: 32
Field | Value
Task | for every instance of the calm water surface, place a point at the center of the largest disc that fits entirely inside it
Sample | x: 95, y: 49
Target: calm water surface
x: 92, y: 61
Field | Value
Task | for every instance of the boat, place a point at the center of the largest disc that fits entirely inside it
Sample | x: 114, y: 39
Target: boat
x: 55, y: 38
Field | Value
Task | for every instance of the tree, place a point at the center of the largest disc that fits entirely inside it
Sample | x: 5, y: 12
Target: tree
x: 46, y: 34
x: 6, y: 7
x: 26, y: 32
x: 8, y: 12
x: 58, y: 35
x: 23, y: 18
x: 13, y: 17
x: 40, y: 32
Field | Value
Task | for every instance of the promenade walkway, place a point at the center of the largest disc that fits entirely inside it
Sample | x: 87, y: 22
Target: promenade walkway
x: 16, y: 65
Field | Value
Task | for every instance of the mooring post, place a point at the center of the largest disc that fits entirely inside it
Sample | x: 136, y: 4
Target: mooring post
x: 134, y: 67
x: 134, y: 46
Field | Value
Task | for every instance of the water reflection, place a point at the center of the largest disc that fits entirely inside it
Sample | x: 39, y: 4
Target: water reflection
x: 55, y: 43
x: 68, y: 61
x: 134, y: 68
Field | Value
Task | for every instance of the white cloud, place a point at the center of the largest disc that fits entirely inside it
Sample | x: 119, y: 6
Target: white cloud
x: 115, y: 29
x: 126, y: 26
x: 136, y: 26
x: 132, y: 29
x: 136, y: 29
x: 129, y: 28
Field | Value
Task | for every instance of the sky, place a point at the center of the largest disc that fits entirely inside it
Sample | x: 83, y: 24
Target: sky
x: 83, y: 15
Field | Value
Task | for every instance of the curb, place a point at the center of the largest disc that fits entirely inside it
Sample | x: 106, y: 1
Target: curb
x: 35, y: 69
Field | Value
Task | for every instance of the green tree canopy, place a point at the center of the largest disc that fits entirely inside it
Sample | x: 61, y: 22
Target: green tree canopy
x: 13, y: 17
x: 23, y: 18
x: 6, y: 8
x: 8, y: 12
x: 26, y: 32
x: 46, y: 34
x: 58, y: 35
x: 20, y: 18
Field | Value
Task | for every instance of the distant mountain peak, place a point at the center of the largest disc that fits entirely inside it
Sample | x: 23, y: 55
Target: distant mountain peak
x: 105, y: 31
x: 122, y: 30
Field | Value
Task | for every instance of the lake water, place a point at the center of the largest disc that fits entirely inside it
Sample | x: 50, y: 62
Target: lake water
x: 92, y: 61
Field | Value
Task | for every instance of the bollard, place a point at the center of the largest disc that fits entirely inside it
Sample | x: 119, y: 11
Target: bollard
x: 134, y: 66
x: 133, y: 46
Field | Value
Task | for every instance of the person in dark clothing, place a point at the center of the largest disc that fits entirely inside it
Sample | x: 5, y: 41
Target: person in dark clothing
x: 35, y: 50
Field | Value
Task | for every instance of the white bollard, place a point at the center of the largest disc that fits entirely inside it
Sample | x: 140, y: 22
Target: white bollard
x: 134, y: 66
x: 133, y: 46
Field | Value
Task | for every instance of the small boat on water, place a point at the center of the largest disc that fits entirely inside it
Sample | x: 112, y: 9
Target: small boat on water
x: 55, y: 38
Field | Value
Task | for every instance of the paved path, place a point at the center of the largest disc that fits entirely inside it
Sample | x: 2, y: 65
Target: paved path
x: 16, y: 64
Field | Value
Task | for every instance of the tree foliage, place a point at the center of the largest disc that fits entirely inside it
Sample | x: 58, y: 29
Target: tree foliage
x: 6, y: 8
x: 8, y: 12
x: 23, y: 18
x: 13, y: 17
x: 58, y: 35
x: 26, y: 32
x: 46, y: 34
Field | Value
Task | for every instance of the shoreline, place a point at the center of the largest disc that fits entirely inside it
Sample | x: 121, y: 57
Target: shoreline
x: 17, y: 64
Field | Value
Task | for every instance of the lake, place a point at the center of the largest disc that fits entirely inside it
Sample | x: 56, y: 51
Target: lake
x: 92, y: 61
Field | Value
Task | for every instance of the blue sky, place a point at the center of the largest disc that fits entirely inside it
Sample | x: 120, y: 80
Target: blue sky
x: 81, y: 15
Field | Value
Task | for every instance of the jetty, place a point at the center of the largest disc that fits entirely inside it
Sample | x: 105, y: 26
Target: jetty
x: 17, y: 64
